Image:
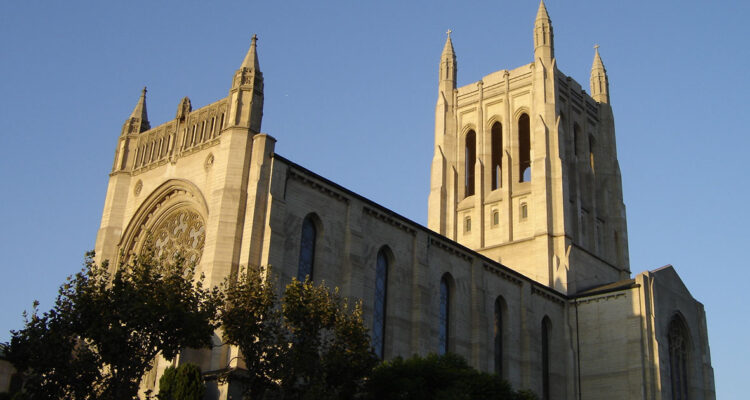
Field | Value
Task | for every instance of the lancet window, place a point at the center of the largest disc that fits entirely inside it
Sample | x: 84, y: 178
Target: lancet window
x: 445, y: 318
x: 307, y: 249
x: 469, y: 161
x: 524, y: 148
x: 379, y: 309
x: 678, y: 358
x: 497, y: 154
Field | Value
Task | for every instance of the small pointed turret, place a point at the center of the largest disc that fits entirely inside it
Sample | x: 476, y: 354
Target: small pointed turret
x: 599, y: 80
x: 448, y: 65
x: 138, y: 120
x: 251, y: 58
x: 544, y: 39
x: 246, y: 94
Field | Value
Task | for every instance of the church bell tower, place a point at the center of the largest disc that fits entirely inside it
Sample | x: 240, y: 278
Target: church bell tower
x: 525, y: 169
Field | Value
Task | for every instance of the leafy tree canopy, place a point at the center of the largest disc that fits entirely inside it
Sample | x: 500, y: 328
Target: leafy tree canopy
x: 106, y: 328
x: 308, y: 345
x: 438, y: 377
x: 182, y: 383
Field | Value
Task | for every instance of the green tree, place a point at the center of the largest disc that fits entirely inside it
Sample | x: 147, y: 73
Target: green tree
x: 182, y: 383
x: 437, y: 377
x: 105, y: 329
x: 330, y: 353
x: 308, y: 345
x: 251, y: 321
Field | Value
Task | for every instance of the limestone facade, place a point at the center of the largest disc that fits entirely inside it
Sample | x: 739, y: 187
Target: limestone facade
x: 528, y: 277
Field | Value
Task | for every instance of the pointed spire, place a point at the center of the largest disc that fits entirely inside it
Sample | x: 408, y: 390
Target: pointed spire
x: 246, y: 106
x: 251, y: 59
x: 542, y: 12
x: 140, y: 108
x: 138, y: 120
x: 599, y: 80
x: 544, y: 38
x: 448, y: 48
x: 448, y: 65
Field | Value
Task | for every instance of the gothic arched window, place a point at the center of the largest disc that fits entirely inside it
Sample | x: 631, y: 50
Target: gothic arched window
x: 445, y: 306
x: 497, y: 155
x: 546, y: 327
x: 678, y: 358
x: 381, y: 292
x: 469, y: 161
x: 307, y: 249
x: 592, y: 144
x: 499, y: 309
x: 524, y: 148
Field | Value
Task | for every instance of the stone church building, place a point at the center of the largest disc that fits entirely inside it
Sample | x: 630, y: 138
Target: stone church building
x: 523, y: 268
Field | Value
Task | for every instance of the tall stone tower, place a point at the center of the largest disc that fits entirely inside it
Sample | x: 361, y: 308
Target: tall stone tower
x: 525, y: 169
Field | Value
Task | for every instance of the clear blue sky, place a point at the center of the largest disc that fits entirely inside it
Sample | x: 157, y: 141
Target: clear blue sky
x: 350, y: 92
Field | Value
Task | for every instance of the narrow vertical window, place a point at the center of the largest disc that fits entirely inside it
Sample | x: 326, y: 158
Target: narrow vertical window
x: 524, y: 148
x: 497, y: 155
x: 545, y: 359
x: 467, y: 225
x: 499, y: 335
x: 444, y: 328
x: 524, y: 211
x: 495, y: 217
x: 575, y: 139
x: 469, y: 161
x: 381, y: 290
x: 592, y: 144
x: 307, y: 249
x: 678, y: 358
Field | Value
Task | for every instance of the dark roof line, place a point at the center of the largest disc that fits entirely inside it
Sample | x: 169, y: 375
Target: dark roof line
x: 424, y: 229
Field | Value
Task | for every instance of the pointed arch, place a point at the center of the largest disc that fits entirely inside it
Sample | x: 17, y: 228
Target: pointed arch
x: 679, y: 355
x: 175, y: 198
x: 470, y: 158
x: 496, y: 143
x: 501, y: 308
x: 308, y: 240
x: 380, y: 304
x: 524, y: 148
x: 447, y: 285
x: 546, y: 333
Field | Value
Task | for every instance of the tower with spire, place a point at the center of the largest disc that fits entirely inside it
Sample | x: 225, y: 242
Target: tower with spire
x: 525, y: 169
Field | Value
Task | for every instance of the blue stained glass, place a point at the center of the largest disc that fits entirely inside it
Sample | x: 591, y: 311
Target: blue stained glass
x: 307, y: 250
x: 378, y: 324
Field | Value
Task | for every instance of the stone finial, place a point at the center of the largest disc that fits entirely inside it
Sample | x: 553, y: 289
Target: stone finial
x: 251, y: 58
x: 542, y: 12
x: 599, y: 80
x: 544, y: 47
x: 184, y: 108
x: 138, y: 120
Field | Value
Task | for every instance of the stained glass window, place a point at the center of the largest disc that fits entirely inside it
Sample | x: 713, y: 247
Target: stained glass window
x: 444, y: 316
x: 378, y: 324
x: 678, y: 358
x: 307, y: 249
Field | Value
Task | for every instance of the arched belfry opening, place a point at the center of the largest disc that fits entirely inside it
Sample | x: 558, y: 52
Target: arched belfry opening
x: 497, y: 155
x: 470, y: 158
x: 524, y: 148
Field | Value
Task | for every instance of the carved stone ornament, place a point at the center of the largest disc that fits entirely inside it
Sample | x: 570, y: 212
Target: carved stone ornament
x: 138, y: 187
x: 209, y: 162
x: 181, y: 233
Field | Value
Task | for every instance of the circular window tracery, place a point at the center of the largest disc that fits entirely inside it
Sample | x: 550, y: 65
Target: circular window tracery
x: 181, y: 233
